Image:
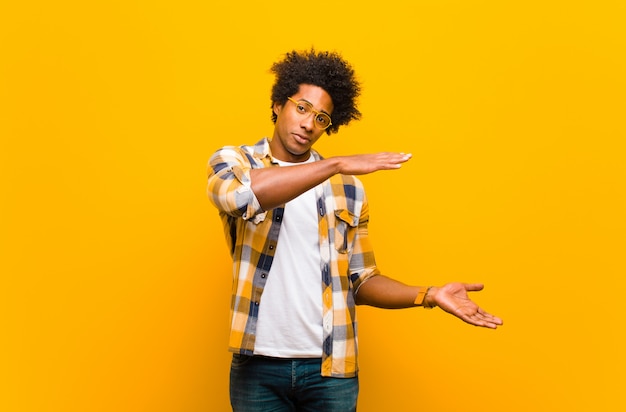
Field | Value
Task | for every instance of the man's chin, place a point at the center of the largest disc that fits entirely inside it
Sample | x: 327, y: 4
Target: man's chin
x: 300, y: 155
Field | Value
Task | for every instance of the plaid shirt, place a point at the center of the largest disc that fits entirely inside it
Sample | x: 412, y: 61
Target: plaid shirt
x: 347, y: 258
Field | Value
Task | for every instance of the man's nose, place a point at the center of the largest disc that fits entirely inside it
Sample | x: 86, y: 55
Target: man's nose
x: 308, y: 121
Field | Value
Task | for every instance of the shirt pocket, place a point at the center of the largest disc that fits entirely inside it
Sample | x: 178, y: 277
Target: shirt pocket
x: 346, y: 224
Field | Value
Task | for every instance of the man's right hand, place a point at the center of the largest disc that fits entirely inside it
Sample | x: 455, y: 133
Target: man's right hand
x: 368, y: 163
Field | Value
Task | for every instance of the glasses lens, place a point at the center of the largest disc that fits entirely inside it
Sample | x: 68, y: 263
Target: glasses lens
x: 322, y: 120
x: 303, y: 107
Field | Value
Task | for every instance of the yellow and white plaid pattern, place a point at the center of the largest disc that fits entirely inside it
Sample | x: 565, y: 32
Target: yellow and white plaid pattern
x: 347, y: 258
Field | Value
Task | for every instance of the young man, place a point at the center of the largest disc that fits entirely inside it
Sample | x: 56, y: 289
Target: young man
x: 296, y: 225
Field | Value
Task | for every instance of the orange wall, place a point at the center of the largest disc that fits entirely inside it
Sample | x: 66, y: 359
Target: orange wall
x: 114, y: 274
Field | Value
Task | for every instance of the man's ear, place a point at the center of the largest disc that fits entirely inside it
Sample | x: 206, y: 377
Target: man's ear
x: 277, y: 107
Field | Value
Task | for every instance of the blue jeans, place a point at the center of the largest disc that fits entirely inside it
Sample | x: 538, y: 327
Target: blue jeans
x: 261, y: 384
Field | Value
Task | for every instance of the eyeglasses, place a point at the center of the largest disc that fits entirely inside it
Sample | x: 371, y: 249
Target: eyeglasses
x: 322, y: 120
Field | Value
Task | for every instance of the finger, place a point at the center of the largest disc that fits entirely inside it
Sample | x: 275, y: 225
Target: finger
x: 474, y: 315
x: 490, y: 317
x: 486, y: 323
x: 397, y: 157
x: 473, y: 287
x: 393, y: 165
x: 482, y: 318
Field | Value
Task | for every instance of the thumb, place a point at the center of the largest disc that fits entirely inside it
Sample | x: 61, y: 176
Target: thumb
x: 473, y: 287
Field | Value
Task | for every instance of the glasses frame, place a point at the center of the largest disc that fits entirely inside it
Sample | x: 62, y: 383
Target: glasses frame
x: 311, y: 110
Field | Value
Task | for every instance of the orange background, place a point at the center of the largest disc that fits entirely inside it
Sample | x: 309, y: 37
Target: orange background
x: 115, y: 277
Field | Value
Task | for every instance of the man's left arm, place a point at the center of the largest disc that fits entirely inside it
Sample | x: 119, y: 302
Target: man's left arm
x: 383, y: 292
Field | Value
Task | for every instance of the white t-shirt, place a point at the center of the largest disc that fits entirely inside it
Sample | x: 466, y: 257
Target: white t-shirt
x: 290, y: 313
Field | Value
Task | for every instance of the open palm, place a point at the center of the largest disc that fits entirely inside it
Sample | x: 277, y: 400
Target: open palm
x: 453, y: 298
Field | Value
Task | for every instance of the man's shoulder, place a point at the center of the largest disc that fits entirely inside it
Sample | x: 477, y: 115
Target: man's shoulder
x: 254, y: 153
x: 260, y: 147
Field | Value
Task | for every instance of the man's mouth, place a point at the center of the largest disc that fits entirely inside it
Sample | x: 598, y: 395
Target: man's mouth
x: 301, y: 139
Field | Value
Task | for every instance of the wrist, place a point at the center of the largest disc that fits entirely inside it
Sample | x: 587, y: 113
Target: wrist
x: 333, y: 165
x: 425, y: 297
x: 429, y: 299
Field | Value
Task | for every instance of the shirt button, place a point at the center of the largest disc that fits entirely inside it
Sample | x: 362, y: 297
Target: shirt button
x: 263, y: 275
x: 271, y: 247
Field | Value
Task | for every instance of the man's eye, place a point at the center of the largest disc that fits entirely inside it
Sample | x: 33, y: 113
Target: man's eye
x: 321, y: 120
x: 301, y: 108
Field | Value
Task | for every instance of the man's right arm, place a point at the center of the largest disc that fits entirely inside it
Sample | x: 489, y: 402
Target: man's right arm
x: 278, y: 185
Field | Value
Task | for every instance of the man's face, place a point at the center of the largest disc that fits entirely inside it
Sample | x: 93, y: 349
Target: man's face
x: 294, y: 133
